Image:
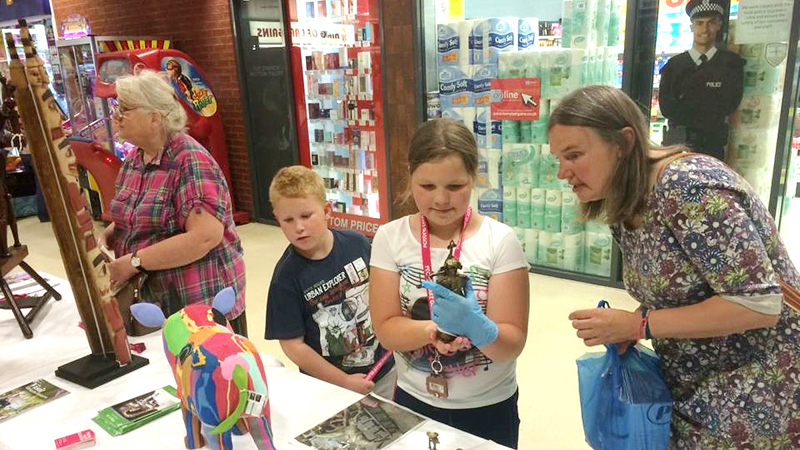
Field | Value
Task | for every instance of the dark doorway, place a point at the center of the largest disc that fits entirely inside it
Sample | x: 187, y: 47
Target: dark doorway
x: 266, y: 86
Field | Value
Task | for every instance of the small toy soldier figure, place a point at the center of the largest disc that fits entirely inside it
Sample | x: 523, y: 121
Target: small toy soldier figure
x: 449, y: 277
x: 433, y: 439
x: 699, y: 88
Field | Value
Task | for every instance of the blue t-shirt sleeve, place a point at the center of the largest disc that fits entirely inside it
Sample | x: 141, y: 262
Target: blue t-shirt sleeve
x: 284, y: 306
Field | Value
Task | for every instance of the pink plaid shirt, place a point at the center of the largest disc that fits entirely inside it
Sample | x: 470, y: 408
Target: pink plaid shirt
x: 152, y: 203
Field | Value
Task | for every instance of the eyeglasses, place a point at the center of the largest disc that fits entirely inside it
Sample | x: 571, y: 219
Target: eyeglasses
x: 119, y: 114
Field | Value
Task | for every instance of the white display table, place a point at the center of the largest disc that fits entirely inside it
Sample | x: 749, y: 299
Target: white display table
x: 298, y: 402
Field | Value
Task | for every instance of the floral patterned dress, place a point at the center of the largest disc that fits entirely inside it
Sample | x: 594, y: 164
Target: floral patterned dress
x: 706, y: 232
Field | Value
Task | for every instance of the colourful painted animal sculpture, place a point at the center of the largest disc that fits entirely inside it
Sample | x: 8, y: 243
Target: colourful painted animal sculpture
x: 220, y: 377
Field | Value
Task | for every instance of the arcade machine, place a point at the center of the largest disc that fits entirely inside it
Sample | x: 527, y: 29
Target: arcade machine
x: 89, y: 117
x: 191, y: 87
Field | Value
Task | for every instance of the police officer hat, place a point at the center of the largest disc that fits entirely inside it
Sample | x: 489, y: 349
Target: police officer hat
x: 704, y: 7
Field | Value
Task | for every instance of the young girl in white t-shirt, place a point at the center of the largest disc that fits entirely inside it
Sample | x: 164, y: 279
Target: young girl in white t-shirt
x: 469, y: 383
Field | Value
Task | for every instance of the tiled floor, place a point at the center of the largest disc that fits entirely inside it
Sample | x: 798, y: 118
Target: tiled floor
x: 547, y: 374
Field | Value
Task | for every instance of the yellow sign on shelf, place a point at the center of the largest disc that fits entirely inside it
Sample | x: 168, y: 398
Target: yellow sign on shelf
x: 456, y: 10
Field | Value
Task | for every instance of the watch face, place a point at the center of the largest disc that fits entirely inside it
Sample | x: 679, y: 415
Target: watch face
x: 135, y: 261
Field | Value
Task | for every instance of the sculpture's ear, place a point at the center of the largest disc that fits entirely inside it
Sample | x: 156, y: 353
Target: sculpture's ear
x: 224, y: 300
x: 148, y: 314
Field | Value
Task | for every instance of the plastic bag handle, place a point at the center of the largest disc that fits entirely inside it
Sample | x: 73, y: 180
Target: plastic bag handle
x: 616, y: 384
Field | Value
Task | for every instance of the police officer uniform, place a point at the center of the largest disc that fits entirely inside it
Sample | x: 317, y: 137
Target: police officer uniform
x: 698, y: 91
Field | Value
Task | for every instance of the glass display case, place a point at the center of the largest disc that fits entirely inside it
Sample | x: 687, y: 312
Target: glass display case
x: 500, y: 67
x: 761, y: 144
x: 44, y: 42
x: 89, y: 116
x: 336, y: 66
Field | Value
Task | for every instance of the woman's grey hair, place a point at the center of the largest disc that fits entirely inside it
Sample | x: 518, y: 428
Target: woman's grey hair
x: 608, y: 110
x: 152, y: 90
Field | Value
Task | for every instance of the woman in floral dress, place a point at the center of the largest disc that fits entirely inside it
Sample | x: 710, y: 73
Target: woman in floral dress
x: 703, y: 256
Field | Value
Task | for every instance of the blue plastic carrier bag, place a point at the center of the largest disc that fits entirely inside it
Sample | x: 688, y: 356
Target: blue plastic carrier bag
x: 625, y: 404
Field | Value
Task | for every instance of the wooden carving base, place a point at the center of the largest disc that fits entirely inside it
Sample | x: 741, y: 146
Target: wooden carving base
x: 94, y: 370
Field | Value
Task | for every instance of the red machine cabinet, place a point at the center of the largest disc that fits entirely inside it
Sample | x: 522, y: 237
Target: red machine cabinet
x: 191, y: 87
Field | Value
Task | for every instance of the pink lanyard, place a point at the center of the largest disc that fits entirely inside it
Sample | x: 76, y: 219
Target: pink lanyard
x: 424, y: 238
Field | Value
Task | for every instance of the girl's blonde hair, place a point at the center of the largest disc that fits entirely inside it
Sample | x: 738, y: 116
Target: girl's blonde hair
x: 152, y: 90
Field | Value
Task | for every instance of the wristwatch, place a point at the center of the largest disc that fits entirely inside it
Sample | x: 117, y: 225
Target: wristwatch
x: 137, y: 263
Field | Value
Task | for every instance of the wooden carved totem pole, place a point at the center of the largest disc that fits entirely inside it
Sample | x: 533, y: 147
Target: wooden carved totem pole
x: 88, y: 275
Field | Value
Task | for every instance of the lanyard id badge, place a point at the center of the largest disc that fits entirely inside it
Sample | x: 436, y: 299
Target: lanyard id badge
x: 436, y: 382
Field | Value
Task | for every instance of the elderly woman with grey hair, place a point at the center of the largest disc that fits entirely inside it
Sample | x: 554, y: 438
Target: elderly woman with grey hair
x: 172, y: 209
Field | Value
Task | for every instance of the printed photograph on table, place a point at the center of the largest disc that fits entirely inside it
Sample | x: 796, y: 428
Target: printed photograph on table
x: 370, y: 423
x: 28, y: 396
x: 144, y: 404
x: 135, y: 412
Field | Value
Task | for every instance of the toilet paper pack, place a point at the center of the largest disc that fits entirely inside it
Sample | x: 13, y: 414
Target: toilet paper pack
x: 537, y: 208
x: 490, y: 204
x: 482, y: 115
x: 510, y: 206
x: 528, y: 33
x: 571, y: 214
x: 482, y: 83
x: 489, y: 161
x: 465, y: 115
x: 476, y: 46
x: 523, y: 206
x: 571, y: 258
x: 455, y: 87
x: 597, y: 253
x: 499, y: 36
x: 531, y: 245
x: 448, y: 45
x: 552, y: 211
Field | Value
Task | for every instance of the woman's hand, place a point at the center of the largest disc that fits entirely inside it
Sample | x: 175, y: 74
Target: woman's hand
x: 121, y: 270
x: 105, y: 237
x: 598, y: 326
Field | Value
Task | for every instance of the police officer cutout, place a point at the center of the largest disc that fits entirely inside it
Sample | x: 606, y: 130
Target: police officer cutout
x: 701, y: 87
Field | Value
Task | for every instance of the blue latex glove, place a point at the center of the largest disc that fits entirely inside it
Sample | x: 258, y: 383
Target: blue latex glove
x: 462, y: 316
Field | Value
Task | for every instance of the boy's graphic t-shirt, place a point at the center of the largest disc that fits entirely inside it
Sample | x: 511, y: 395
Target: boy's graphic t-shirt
x: 327, y: 303
x: 473, y: 380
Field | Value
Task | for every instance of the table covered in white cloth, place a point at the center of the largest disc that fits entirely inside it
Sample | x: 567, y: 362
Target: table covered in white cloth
x: 298, y: 402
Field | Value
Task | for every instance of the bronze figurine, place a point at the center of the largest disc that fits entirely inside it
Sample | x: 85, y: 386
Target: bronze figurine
x: 450, y: 277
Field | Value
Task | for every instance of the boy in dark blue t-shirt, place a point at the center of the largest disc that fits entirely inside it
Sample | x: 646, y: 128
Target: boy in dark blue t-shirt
x: 318, y: 302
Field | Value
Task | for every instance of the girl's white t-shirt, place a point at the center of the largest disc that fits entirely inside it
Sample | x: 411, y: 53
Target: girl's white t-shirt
x: 473, y: 380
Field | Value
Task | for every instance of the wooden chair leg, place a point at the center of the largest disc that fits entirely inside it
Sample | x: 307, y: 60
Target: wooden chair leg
x: 42, y: 282
x: 23, y: 324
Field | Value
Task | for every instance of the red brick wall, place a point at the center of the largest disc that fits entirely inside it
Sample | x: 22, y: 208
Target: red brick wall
x: 202, y: 29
